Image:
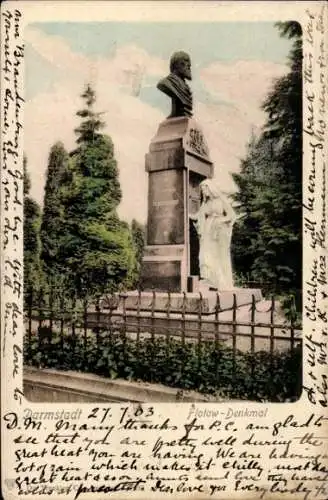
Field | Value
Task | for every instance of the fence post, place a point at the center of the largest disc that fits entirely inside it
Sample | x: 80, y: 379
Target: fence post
x: 152, y: 331
x: 123, y: 296
x: 51, y: 300
x: 292, y: 322
x: 234, y: 336
x: 85, y: 327
x: 113, y: 304
x: 73, y: 322
x: 29, y: 312
x: 253, y: 309
x: 40, y: 321
x: 199, y: 333
x: 123, y: 335
x: 183, y: 319
x: 97, y: 321
x: 272, y: 311
x: 62, y: 322
x: 216, y: 330
x: 216, y: 327
x: 168, y: 318
x: 138, y: 319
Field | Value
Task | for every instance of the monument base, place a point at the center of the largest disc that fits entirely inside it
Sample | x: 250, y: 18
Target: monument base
x: 177, y: 162
x: 191, y: 303
x: 163, y: 268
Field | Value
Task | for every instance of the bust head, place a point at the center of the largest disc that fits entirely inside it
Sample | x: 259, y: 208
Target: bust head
x: 180, y: 65
x: 174, y: 85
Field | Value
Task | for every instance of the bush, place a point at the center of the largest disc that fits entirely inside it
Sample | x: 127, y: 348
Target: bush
x: 208, y: 367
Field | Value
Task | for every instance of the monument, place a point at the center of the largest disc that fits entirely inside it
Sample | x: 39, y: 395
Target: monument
x: 177, y: 162
x: 190, y: 221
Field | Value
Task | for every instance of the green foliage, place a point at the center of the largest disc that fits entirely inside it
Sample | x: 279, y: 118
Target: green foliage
x: 208, y: 368
x: 32, y: 245
x: 138, y: 239
x: 267, y: 238
x: 52, y: 217
x: 95, y: 246
x: 88, y: 131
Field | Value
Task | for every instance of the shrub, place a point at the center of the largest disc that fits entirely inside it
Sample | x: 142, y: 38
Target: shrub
x: 208, y: 367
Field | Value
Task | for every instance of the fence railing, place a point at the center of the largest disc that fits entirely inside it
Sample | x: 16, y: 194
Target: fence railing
x: 268, y: 287
x: 156, y: 332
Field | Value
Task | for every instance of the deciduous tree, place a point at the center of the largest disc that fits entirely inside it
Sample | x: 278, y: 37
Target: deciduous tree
x: 267, y: 239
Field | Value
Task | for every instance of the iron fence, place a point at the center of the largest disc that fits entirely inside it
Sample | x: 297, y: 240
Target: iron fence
x: 152, y: 336
x: 270, y: 288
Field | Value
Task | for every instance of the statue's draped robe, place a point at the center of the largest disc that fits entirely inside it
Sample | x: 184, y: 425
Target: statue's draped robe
x: 176, y: 88
x: 214, y: 224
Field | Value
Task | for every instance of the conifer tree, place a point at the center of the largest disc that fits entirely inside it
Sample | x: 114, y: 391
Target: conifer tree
x: 97, y: 247
x: 32, y: 247
x: 138, y: 238
x: 52, y: 217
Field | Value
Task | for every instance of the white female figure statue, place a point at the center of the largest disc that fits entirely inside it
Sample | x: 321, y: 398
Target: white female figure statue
x: 214, y: 222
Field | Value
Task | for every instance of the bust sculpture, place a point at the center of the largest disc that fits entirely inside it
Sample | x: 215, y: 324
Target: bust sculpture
x: 175, y: 86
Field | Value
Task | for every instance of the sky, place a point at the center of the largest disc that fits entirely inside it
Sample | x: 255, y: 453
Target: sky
x: 233, y: 64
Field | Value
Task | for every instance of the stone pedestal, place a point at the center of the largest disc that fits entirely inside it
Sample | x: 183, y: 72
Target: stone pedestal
x: 177, y: 162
